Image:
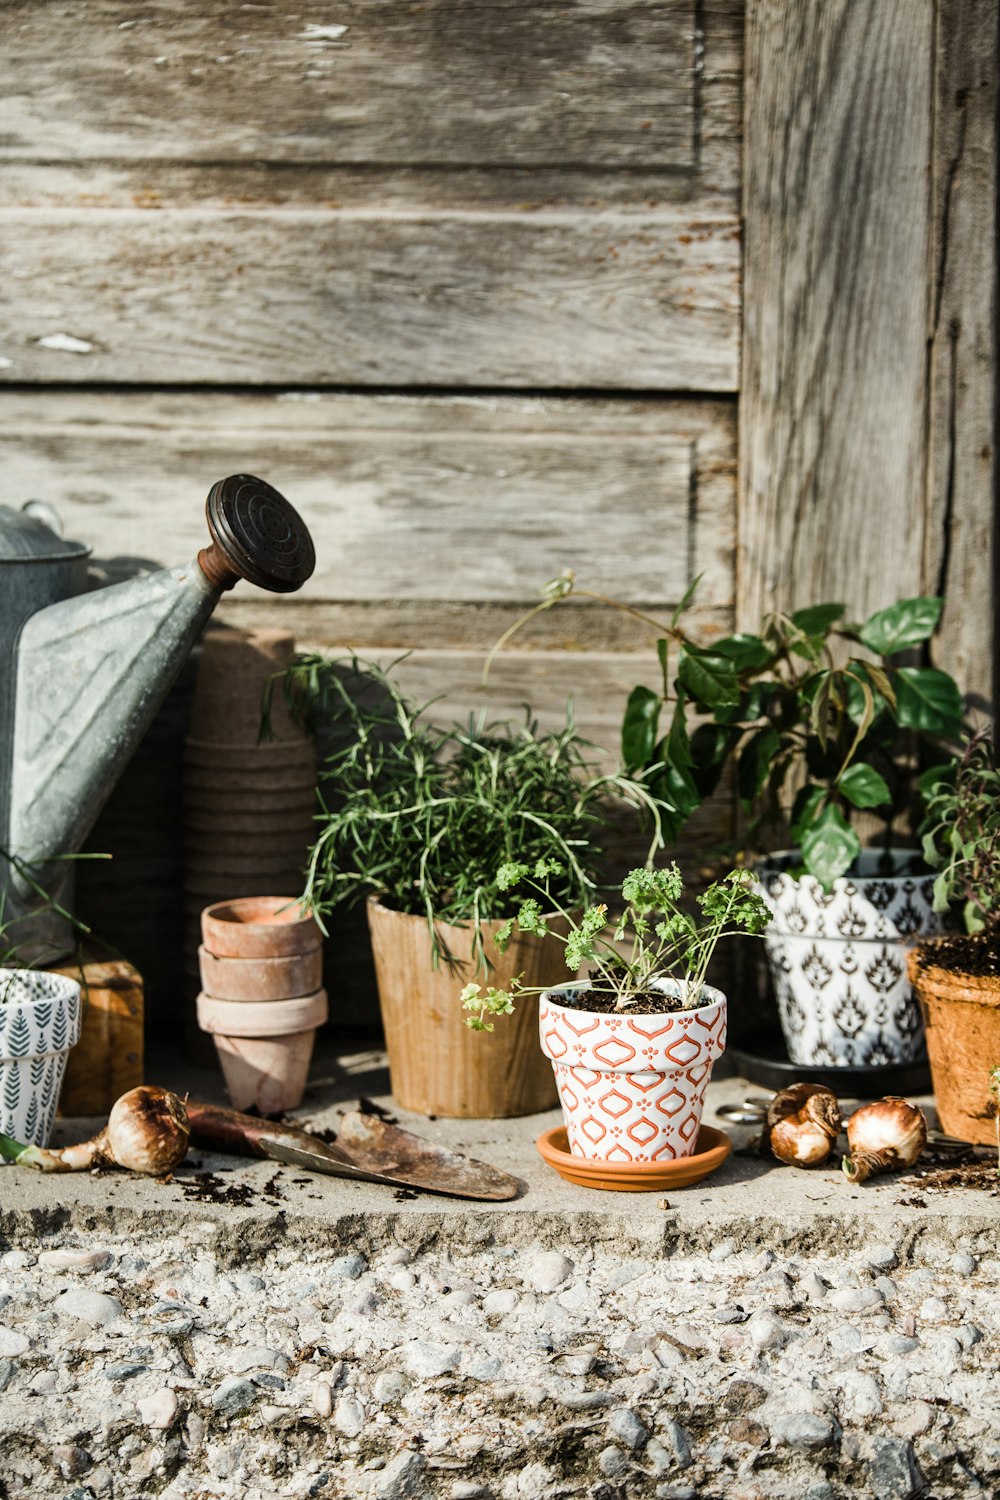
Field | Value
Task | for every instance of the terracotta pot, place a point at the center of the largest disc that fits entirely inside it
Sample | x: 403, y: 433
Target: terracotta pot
x: 962, y: 1019
x: 264, y: 1047
x: 231, y: 820
x: 270, y: 755
x: 258, y: 927
x: 217, y: 802
x: 632, y: 1087
x: 261, y: 978
x: 234, y: 670
x: 229, y: 864
x: 838, y: 959
x: 437, y: 1066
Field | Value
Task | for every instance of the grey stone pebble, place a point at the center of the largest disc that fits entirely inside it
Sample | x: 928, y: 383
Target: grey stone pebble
x: 96, y: 1308
x: 881, y: 1257
x: 857, y: 1299
x: 802, y: 1430
x: 16, y: 1260
x: 485, y: 1369
x: 933, y: 1310
x: 401, y: 1479
x: 426, y: 1360
x: 968, y: 1335
x: 577, y: 1364
x: 627, y: 1427
x: 548, y: 1269
x: 735, y: 1313
x: 675, y: 1441
x: 612, y: 1462
x: 13, y: 1343
x: 346, y: 1268
x: 268, y: 1381
x: 233, y: 1396
x: 723, y: 1250
x: 766, y: 1331
x: 159, y: 1410
x: 391, y: 1386
x: 123, y: 1371
x: 963, y: 1264
x: 8, y: 1370
x: 900, y: 1344
x: 892, y: 1470
x: 812, y: 1286
x: 74, y: 1260
x: 886, y: 1286
x: 500, y: 1303
x: 349, y: 1416
x: 585, y: 1400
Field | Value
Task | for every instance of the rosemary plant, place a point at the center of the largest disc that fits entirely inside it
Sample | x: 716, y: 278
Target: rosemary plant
x: 678, y: 944
x: 962, y: 833
x: 424, y: 816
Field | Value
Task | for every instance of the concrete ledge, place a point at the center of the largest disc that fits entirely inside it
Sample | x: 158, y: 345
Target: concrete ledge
x: 758, y: 1203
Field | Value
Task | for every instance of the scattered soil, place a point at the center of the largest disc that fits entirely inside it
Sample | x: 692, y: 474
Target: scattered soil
x: 981, y: 1175
x: 978, y: 956
x: 207, y: 1187
x: 369, y: 1107
x: 402, y: 1195
x: 649, y: 1003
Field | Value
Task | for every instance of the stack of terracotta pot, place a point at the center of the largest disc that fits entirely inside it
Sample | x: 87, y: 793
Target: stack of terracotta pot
x: 261, y: 999
x: 248, y: 803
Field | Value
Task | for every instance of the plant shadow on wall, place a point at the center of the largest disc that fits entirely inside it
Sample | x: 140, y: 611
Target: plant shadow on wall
x: 825, y: 722
x: 418, y: 818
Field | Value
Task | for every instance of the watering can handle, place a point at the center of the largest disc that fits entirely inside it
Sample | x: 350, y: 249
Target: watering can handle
x: 256, y: 535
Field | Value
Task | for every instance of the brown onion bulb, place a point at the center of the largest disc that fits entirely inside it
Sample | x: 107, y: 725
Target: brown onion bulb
x: 802, y: 1124
x: 147, y: 1131
x: 884, y: 1137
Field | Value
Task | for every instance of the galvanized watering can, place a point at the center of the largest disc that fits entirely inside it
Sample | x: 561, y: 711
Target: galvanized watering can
x: 83, y: 673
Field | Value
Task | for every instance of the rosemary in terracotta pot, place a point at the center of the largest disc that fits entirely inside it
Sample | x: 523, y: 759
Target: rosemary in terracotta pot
x: 632, y: 1046
x: 957, y: 977
x: 417, y: 818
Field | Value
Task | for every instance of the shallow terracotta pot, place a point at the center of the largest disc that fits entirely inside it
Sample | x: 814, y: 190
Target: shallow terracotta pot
x: 632, y: 1088
x: 261, y: 978
x: 258, y: 927
x: 272, y: 755
x: 265, y: 1048
x: 437, y: 1066
x: 962, y: 1021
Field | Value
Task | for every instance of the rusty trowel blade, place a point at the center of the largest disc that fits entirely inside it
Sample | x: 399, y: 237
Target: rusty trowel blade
x: 370, y: 1150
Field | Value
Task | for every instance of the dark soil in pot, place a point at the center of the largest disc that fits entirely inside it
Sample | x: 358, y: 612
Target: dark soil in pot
x: 649, y: 1003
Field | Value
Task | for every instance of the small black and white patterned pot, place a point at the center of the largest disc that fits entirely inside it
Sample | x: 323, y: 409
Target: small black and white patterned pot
x: 838, y: 958
x: 39, y: 1023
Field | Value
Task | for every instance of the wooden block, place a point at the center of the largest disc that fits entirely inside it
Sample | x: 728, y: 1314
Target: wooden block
x: 107, y: 1061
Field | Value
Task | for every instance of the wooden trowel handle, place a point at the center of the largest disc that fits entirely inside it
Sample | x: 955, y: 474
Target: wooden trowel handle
x: 240, y: 1135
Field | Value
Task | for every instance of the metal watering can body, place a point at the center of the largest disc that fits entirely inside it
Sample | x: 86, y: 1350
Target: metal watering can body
x: 83, y: 673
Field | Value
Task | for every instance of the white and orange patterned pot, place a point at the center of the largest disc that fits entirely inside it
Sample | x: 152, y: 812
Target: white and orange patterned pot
x: 632, y: 1087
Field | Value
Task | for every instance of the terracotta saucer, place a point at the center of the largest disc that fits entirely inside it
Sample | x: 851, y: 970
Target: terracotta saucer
x: 711, y: 1149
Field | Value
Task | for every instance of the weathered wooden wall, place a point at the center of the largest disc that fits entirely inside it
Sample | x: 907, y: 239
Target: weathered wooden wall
x: 869, y: 393
x: 462, y: 281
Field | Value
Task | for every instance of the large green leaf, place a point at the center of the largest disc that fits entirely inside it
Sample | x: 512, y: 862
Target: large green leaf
x: 817, y: 618
x: 830, y: 848
x: 755, y: 762
x: 748, y: 652
x: 642, y: 715
x: 863, y: 786
x: 675, y: 787
x: 711, y: 745
x: 677, y: 747
x: 806, y: 809
x: 901, y: 625
x: 708, y: 677
x: 927, y: 699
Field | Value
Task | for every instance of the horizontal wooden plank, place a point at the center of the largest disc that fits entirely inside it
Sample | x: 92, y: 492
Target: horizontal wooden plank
x: 506, y: 82
x: 438, y: 501
x: 362, y: 297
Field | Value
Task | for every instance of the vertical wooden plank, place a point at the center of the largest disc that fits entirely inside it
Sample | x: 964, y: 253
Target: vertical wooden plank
x: 960, y: 558
x: 836, y: 207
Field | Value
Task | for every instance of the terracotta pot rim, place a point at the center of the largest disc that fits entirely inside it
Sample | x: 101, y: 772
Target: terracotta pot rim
x: 950, y: 986
x: 258, y: 1019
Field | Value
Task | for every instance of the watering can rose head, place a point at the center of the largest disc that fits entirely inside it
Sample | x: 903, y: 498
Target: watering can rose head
x: 654, y: 937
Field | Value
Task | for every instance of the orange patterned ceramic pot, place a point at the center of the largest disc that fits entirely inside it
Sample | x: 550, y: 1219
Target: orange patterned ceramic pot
x: 632, y: 1087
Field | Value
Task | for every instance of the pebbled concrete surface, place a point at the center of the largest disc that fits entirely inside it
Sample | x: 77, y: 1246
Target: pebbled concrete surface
x: 768, y: 1333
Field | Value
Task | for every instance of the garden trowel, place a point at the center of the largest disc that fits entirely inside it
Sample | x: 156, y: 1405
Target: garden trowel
x: 367, y: 1149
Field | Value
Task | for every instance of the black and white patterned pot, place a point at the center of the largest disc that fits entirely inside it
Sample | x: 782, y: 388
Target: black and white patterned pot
x: 838, y: 959
x: 39, y: 1023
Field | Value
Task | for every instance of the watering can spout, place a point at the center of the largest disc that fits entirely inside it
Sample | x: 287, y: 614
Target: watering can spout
x: 92, y: 670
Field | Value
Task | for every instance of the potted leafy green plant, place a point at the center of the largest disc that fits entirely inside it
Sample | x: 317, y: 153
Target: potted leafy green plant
x: 632, y: 1045
x: 824, y: 722
x: 418, y: 818
x: 957, y: 977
